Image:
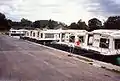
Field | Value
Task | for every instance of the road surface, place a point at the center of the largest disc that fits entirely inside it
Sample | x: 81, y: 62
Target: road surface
x: 22, y: 60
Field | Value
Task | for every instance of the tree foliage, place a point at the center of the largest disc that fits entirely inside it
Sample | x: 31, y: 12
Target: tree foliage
x: 25, y: 22
x: 73, y: 26
x: 36, y: 24
x: 113, y: 22
x: 82, y: 25
x: 94, y: 24
x: 79, y: 25
x: 4, y: 25
x: 51, y: 24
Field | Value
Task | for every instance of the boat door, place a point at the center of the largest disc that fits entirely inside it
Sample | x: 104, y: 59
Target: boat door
x: 96, y: 40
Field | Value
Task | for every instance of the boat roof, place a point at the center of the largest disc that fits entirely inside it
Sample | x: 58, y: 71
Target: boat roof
x: 18, y: 30
x: 114, y: 33
x: 63, y: 31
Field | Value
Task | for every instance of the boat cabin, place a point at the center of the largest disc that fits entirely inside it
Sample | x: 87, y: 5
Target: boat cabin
x: 105, y: 42
x: 71, y: 37
x: 50, y: 35
x: 17, y: 33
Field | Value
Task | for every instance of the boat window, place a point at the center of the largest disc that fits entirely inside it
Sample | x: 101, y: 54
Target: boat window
x: 38, y: 34
x: 81, y: 39
x: 63, y: 35
x: 90, y: 39
x: 72, y: 39
x: 104, y: 43
x: 48, y: 35
x: 13, y: 31
x: 59, y: 35
x: 41, y: 35
x: 17, y: 34
x: 27, y: 34
x: 33, y: 34
x: 117, y: 43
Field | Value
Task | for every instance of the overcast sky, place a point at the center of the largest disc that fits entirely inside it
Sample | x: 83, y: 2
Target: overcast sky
x: 60, y: 10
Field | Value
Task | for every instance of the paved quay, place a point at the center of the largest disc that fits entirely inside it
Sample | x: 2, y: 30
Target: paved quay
x: 22, y: 60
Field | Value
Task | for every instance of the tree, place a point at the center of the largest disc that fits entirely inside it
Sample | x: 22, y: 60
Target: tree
x: 73, y: 26
x: 2, y: 16
x: 82, y: 25
x: 36, y: 24
x: 40, y: 24
x: 79, y: 25
x: 113, y: 22
x: 25, y: 22
x: 3, y: 23
x: 9, y: 23
x: 43, y: 23
x: 52, y: 24
x: 94, y: 24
